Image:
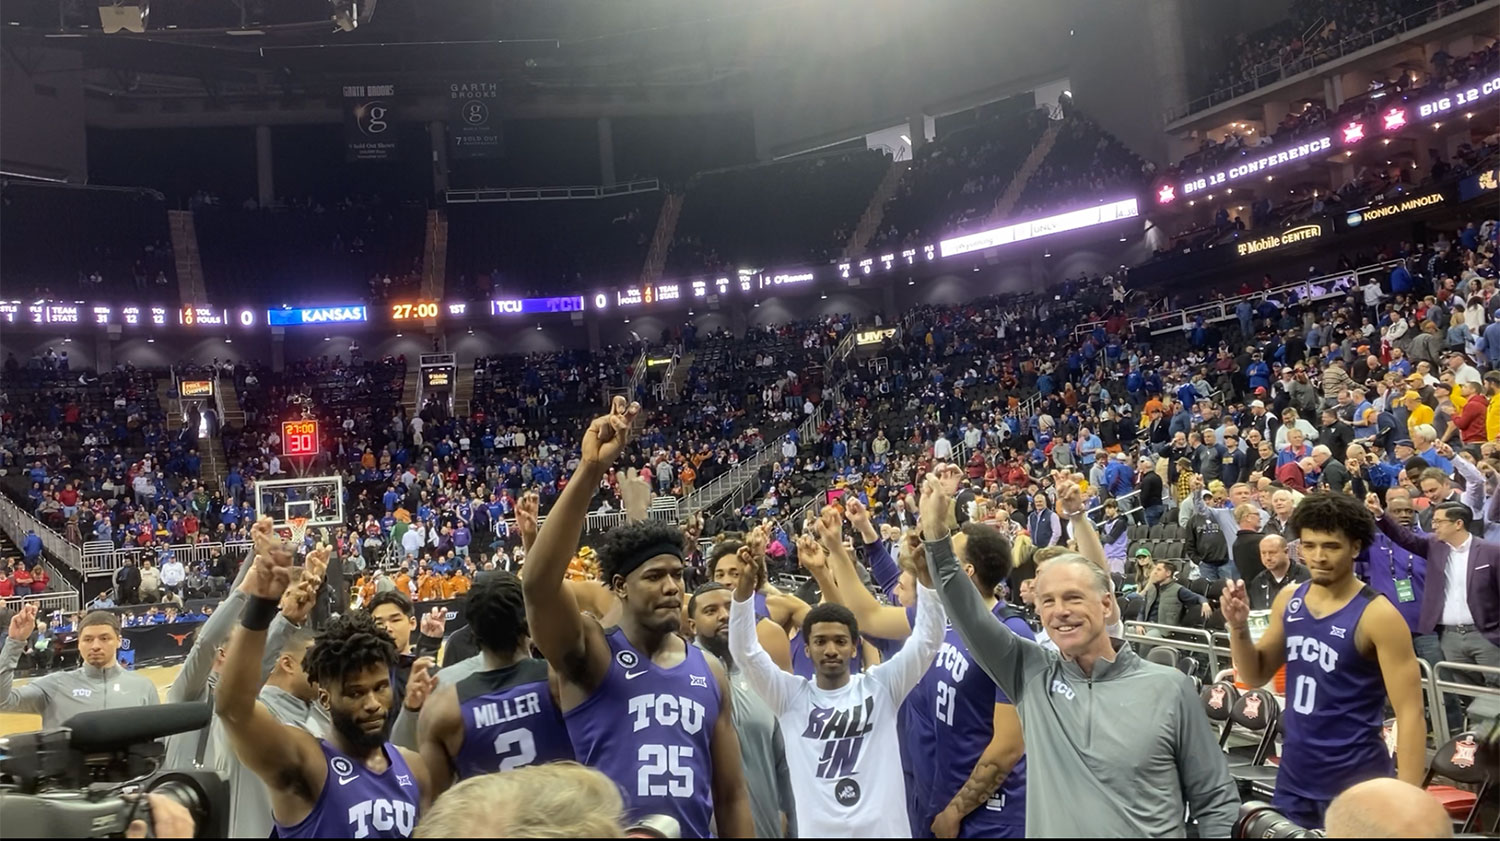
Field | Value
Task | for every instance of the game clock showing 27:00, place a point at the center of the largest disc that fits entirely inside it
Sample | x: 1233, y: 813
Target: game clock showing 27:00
x: 299, y: 438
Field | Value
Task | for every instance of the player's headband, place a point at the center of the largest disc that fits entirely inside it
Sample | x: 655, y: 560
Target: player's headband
x: 629, y: 563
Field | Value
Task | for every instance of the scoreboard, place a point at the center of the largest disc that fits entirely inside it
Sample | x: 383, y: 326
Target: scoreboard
x: 299, y: 437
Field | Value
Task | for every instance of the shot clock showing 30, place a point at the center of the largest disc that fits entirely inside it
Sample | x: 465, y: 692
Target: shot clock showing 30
x: 299, y: 438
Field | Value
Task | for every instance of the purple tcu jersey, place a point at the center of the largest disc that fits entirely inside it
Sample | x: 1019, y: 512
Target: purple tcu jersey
x: 650, y: 730
x: 509, y: 720
x: 962, y: 702
x: 916, y: 731
x: 358, y: 803
x: 1335, y: 703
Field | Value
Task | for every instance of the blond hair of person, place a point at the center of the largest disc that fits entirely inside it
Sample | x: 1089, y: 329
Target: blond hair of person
x: 556, y: 800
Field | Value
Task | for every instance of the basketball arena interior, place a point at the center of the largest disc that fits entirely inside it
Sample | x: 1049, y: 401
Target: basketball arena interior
x: 969, y: 418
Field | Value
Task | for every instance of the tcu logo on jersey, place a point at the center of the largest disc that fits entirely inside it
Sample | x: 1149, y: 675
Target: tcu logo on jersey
x: 1311, y: 650
x: 382, y: 815
x: 666, y: 710
x: 953, y: 660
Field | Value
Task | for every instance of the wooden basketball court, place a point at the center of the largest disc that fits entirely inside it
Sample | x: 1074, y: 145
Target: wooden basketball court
x: 10, y: 723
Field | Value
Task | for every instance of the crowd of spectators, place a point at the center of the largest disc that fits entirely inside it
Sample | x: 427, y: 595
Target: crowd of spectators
x: 957, y: 178
x: 1084, y: 161
x: 300, y: 251
x: 64, y: 241
x: 535, y: 248
x: 801, y: 210
x: 1316, y: 32
x: 1309, y: 117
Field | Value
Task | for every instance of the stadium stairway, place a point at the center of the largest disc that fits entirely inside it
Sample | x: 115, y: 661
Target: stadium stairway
x: 229, y: 396
x: 435, y: 256
x: 679, y: 374
x: 463, y: 392
x: 869, y: 223
x: 1033, y: 162
x: 185, y: 252
x: 661, y: 241
x: 409, y: 389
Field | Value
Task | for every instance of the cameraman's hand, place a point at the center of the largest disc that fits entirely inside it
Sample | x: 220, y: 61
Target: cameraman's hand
x: 168, y: 820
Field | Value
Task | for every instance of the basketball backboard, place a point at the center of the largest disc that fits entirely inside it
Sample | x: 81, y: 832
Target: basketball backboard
x: 317, y: 499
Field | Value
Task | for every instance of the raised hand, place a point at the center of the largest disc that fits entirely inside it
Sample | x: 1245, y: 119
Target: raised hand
x: 528, y: 509
x: 23, y: 623
x: 810, y: 555
x: 749, y: 576
x: 828, y: 528
x: 298, y: 600
x: 1235, y: 605
x: 950, y: 475
x: 635, y: 493
x: 859, y: 517
x: 421, y: 683
x: 1070, y: 502
x: 607, y: 435
x: 271, y: 574
x: 1372, y: 502
x: 434, y: 622
x: 316, y: 565
x: 935, y: 509
x: 756, y: 541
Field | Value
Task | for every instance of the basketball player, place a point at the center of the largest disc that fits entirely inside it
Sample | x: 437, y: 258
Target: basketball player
x: 842, y: 747
x: 1342, y: 643
x: 642, y: 705
x: 503, y: 717
x: 725, y: 567
x: 978, y: 790
x: 353, y: 784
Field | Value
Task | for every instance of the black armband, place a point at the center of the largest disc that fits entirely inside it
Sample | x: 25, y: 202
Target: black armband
x: 259, y: 613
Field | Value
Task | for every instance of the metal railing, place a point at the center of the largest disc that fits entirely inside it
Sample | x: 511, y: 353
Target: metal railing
x: 100, y: 558
x: 1222, y: 310
x: 14, y: 522
x: 1274, y: 70
x: 663, y: 508
x: 1441, y: 726
x: 1129, y: 504
x: 507, y: 194
x: 1172, y: 635
x: 733, y: 481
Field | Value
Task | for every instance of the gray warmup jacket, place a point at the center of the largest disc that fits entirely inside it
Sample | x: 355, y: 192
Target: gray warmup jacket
x: 1115, y: 754
x: 61, y: 695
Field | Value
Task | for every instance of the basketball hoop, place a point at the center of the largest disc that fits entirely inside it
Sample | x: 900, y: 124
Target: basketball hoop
x: 298, y: 528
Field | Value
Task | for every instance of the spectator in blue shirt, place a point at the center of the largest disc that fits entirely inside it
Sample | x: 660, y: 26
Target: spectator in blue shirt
x: 31, y: 547
x: 1085, y: 447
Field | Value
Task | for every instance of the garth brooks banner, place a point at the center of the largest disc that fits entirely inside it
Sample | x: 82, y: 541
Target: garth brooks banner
x: 369, y: 122
x: 473, y: 123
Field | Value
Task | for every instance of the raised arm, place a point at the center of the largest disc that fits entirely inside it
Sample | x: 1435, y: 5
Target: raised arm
x: 1399, y: 535
x: 879, y: 620
x: 440, y: 715
x: 1473, y: 494
x: 1386, y: 630
x: 1004, y: 656
x: 883, y: 567
x: 572, y: 645
x: 900, y: 673
x: 1255, y: 662
x: 1071, y: 503
x: 775, y: 686
x: 192, y: 681
x: 31, y: 698
x: 286, y: 758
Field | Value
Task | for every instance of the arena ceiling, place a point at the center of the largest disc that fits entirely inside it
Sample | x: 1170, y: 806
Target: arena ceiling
x: 292, y: 47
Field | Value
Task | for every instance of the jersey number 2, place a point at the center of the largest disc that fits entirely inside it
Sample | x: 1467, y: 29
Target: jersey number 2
x: 520, y: 746
x: 1306, y: 692
x: 664, y: 760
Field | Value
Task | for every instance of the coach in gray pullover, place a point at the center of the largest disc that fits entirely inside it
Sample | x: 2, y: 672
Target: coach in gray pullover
x: 100, y: 683
x: 1118, y: 746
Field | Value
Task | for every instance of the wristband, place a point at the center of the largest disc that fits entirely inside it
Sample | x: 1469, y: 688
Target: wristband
x: 259, y: 613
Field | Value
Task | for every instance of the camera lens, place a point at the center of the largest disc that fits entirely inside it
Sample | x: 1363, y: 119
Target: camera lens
x: 186, y: 793
x: 1261, y: 820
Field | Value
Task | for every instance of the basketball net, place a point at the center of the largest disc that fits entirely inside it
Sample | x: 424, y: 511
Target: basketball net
x: 297, y: 527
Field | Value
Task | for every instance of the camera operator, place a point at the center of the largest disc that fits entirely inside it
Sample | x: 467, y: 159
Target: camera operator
x: 169, y: 819
x: 100, y: 683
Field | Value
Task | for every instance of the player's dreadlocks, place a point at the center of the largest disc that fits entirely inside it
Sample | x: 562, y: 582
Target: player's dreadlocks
x: 350, y: 643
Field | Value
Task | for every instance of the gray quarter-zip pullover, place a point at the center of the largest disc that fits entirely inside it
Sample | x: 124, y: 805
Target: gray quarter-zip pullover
x: 1118, y: 753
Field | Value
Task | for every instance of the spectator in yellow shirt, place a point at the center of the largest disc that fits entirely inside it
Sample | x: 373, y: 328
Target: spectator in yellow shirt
x: 1420, y: 412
